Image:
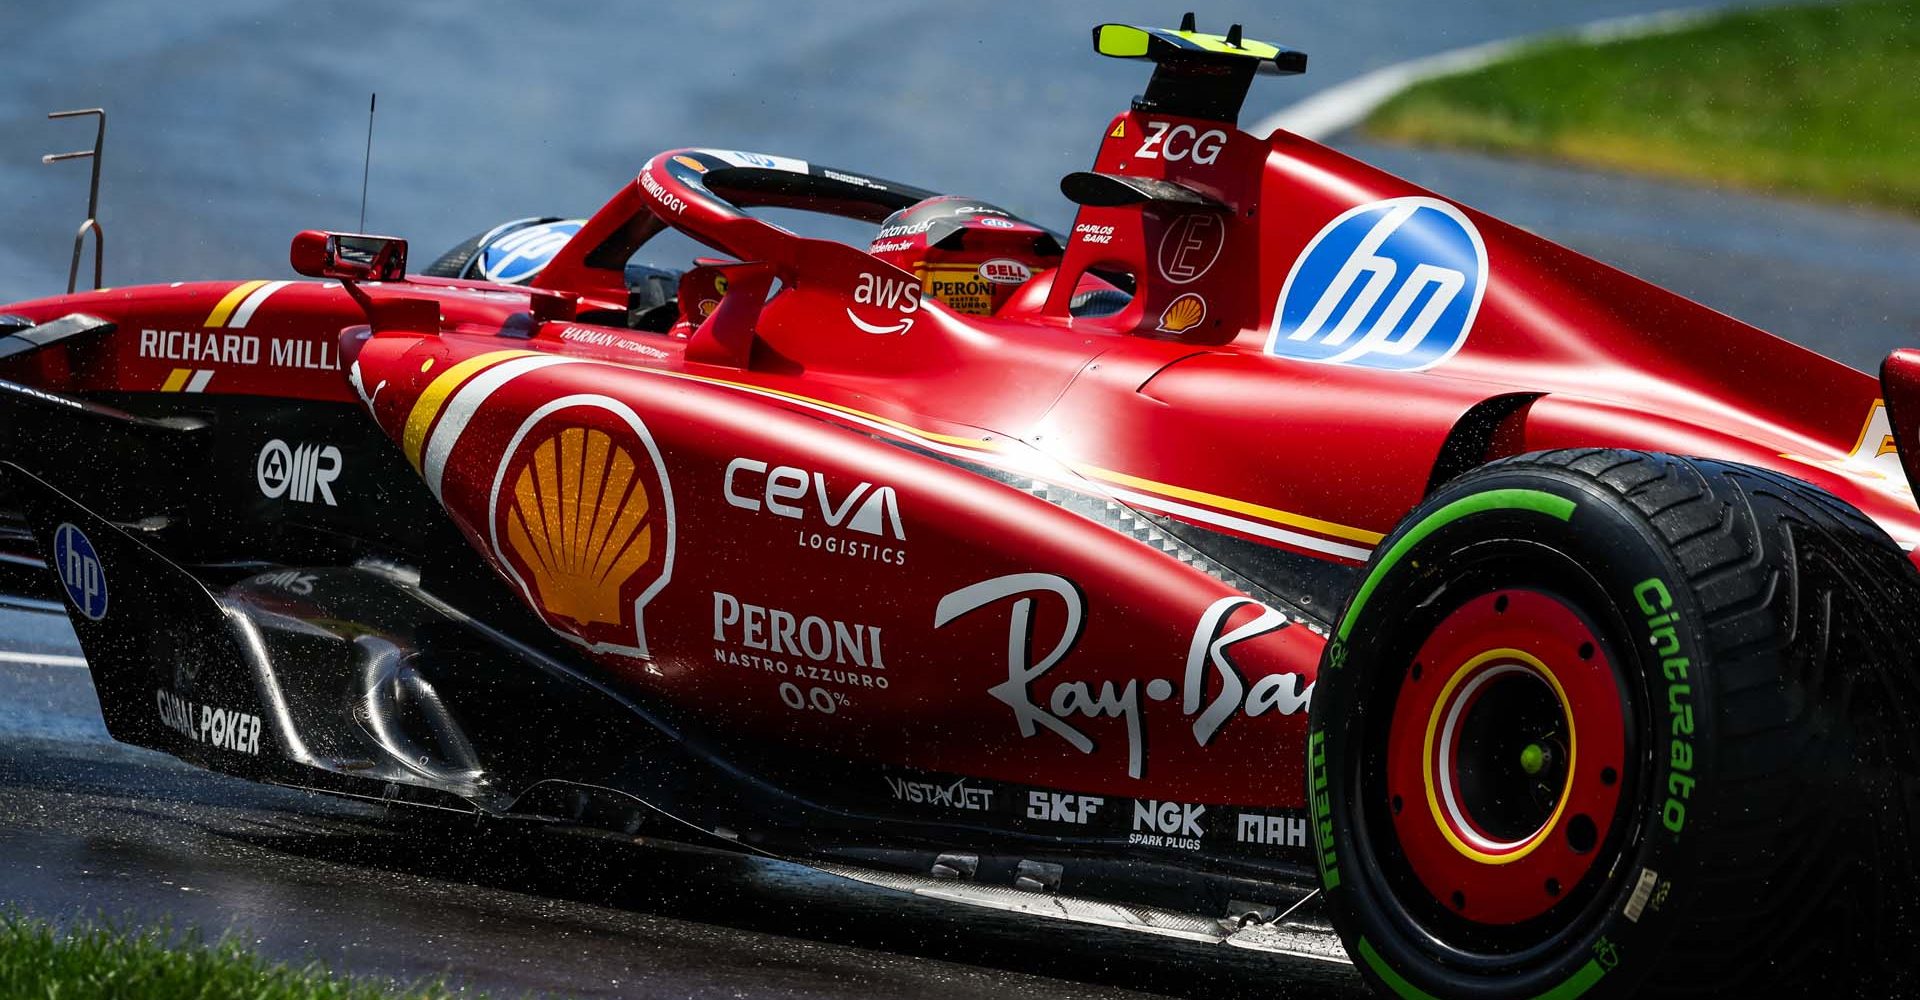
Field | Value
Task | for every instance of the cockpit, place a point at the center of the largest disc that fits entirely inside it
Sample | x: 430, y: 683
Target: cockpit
x: 634, y: 269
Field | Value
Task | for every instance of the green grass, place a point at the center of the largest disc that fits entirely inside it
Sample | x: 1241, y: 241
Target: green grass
x: 99, y: 961
x: 1822, y: 101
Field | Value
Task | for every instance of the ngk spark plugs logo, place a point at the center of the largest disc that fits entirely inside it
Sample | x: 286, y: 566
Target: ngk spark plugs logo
x: 1391, y: 284
x: 860, y: 520
x: 1210, y: 689
x: 581, y: 514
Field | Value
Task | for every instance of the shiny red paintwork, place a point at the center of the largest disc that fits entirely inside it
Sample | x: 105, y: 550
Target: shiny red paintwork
x: 1168, y: 409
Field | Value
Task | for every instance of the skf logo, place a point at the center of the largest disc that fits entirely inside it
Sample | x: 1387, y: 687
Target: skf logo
x: 304, y: 473
x: 583, y: 521
x: 1059, y: 807
x: 1392, y: 284
x: 898, y: 295
x: 1181, y: 142
x: 80, y: 571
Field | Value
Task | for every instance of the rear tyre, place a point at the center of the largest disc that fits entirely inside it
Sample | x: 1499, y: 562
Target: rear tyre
x: 1608, y: 723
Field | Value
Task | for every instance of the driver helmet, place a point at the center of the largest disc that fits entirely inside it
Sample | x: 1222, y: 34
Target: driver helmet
x: 969, y: 254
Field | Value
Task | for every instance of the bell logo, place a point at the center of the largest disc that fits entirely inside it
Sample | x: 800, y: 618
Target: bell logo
x: 582, y: 520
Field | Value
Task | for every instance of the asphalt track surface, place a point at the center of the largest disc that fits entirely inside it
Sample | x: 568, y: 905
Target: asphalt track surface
x: 237, y: 123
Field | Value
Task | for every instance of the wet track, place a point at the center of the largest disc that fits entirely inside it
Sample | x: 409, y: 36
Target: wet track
x: 87, y: 826
x: 237, y: 123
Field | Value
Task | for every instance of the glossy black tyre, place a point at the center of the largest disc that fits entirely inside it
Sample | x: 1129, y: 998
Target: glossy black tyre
x: 1738, y: 816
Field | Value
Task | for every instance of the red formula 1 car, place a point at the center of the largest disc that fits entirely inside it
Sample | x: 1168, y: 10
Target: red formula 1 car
x: 1284, y: 534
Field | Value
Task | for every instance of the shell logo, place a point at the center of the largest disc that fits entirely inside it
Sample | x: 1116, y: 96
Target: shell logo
x: 578, y: 522
x: 581, y: 514
x: 1183, y: 314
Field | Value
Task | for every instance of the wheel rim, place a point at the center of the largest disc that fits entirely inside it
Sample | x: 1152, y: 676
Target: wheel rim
x: 1506, y: 749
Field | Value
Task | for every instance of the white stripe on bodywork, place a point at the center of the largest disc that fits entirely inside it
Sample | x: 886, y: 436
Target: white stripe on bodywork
x: 253, y: 302
x: 461, y: 408
x: 1256, y: 528
x: 200, y: 379
x: 1051, y: 470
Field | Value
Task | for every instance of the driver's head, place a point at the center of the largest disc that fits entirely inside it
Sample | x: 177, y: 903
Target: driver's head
x: 967, y: 253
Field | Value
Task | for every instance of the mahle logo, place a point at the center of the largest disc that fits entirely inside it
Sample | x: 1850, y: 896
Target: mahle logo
x: 1392, y: 284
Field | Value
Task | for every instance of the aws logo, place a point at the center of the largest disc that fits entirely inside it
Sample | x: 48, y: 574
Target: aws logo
x: 582, y: 519
x: 901, y: 298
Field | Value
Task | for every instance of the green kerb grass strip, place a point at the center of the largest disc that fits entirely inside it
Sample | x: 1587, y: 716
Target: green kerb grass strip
x: 105, y: 961
x: 1818, y: 101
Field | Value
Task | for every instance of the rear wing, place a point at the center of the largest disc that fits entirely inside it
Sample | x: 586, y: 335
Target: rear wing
x: 1900, y: 387
x: 1196, y: 75
x: 1174, y: 188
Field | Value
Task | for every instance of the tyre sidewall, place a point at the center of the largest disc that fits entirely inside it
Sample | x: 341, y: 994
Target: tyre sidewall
x: 1638, y: 576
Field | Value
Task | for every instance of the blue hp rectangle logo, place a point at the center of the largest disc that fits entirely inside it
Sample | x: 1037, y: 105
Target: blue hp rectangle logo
x: 1391, y: 284
x: 80, y: 572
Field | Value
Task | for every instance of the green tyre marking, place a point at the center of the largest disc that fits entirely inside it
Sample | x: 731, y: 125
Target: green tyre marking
x: 1575, y: 985
x: 1537, y: 501
x: 1322, y: 818
x: 1578, y: 983
x: 1395, y: 981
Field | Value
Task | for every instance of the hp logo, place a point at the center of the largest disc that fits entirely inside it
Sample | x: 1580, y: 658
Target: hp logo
x: 1392, y: 284
x: 516, y: 257
x: 80, y: 572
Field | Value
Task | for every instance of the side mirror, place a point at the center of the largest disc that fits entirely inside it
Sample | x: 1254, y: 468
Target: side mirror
x: 349, y: 256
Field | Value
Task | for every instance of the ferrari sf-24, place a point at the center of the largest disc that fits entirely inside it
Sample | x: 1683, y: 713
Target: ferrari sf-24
x: 1286, y: 556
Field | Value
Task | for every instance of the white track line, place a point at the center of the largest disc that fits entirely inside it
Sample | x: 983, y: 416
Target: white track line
x: 1344, y: 105
x: 43, y: 659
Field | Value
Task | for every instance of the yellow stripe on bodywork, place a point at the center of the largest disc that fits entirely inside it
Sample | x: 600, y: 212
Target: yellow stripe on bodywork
x: 428, y: 406
x: 420, y: 419
x: 980, y: 444
x: 1253, y: 510
x: 176, y: 380
x: 231, y: 301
